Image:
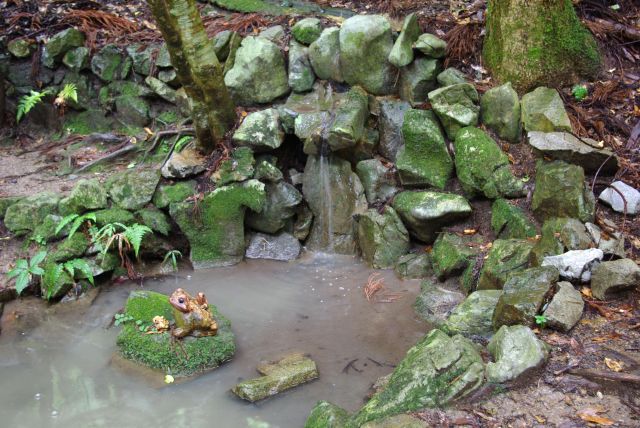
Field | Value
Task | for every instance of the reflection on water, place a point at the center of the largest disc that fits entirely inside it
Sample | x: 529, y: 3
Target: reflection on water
x: 59, y: 373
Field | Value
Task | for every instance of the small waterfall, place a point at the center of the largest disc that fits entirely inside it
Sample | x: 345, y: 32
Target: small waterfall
x: 326, y: 215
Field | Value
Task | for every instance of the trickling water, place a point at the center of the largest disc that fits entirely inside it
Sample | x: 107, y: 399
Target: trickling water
x: 327, y: 201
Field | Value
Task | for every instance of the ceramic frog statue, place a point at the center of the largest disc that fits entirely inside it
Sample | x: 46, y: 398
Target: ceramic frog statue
x: 192, y: 315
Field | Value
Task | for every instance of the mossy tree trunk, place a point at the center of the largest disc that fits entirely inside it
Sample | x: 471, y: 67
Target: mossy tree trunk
x: 538, y: 42
x: 198, y: 68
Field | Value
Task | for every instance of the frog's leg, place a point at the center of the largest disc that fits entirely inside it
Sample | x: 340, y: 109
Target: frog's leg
x: 178, y: 332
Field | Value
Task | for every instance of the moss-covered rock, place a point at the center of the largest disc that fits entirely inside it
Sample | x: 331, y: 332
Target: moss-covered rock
x: 431, y: 46
x: 307, y: 30
x: 402, y: 52
x: 350, y: 115
x: 110, y: 64
x: 133, y: 189
x: 133, y: 110
x: 436, y: 371
x: 59, y: 44
x: 71, y: 248
x: 114, y: 215
x: 508, y: 221
x: 413, y: 266
x: 452, y: 254
x: 435, y: 302
x: 324, y: 55
x: 516, y: 350
x: 424, y: 159
x: 239, y: 167
x: 25, y: 215
x: 327, y: 415
x: 418, y: 79
x: 561, y: 192
x: 301, y: 77
x: 77, y: 59
x: 473, y: 316
x: 456, y: 107
x: 543, y: 110
x: 377, y: 179
x: 215, y: 229
x: 267, y: 171
x: 155, y: 219
x: 157, y: 350
x: 451, y: 76
x: 505, y: 257
x: 558, y: 236
x: 260, y: 131
x: 87, y: 195
x: 20, y: 48
x: 482, y: 167
x: 168, y: 193
x: 6, y: 202
x: 404, y: 420
x: 280, y: 206
x: 46, y: 230
x: 500, y: 111
x: 382, y: 238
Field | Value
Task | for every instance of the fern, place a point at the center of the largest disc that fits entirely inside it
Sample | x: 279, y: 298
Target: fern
x: 81, y: 265
x: 28, y: 102
x: 182, y: 142
x: 77, y: 222
x: 50, y: 278
x: 69, y: 92
x: 134, y: 234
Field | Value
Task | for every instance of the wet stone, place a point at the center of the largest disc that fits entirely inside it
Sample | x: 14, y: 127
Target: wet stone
x: 435, y: 302
x: 391, y: 119
x: 474, y: 315
x: 327, y: 415
x: 430, y: 45
x: 576, y: 264
x: 382, y: 238
x: 324, y: 55
x: 260, y: 131
x: 516, y: 350
x: 543, y: 110
x: 505, y: 257
x: 402, y: 52
x: 509, y: 221
x: 301, y: 76
x: 283, y: 247
x: 280, y: 206
x: 413, y: 266
x: 500, y: 110
x: 565, y: 309
x: 377, y: 179
x: 614, y: 276
x: 456, y: 107
x: 452, y: 254
x: 350, y: 115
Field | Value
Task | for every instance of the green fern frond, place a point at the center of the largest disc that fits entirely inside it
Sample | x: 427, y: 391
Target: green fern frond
x: 52, y: 274
x: 81, y: 265
x: 28, y: 102
x: 65, y: 221
x: 69, y: 92
x: 134, y: 235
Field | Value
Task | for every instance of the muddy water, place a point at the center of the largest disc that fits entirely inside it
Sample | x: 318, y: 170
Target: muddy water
x: 60, y: 373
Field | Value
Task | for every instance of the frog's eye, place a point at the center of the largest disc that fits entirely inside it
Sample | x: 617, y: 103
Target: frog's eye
x: 181, y: 300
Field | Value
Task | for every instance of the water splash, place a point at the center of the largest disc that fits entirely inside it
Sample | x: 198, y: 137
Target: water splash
x: 326, y: 214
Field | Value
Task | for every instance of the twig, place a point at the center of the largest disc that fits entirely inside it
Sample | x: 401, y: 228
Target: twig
x: 126, y: 149
x: 350, y: 365
x: 613, y: 376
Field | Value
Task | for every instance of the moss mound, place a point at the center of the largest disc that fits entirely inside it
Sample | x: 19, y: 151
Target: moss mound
x: 157, y: 351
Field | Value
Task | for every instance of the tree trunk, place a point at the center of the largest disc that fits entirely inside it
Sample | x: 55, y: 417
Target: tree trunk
x: 2, y: 100
x: 197, y: 67
x: 538, y: 42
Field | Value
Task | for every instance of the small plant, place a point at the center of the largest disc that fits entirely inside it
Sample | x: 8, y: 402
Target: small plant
x: 68, y: 92
x: 24, y: 270
x: 129, y: 238
x: 76, y: 221
x: 541, y: 320
x: 38, y: 239
x: 143, y: 326
x: 122, y: 319
x: 579, y: 92
x: 53, y: 274
x: 172, y: 256
x: 28, y: 102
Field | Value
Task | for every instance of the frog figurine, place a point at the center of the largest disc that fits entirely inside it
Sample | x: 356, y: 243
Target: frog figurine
x: 192, y: 315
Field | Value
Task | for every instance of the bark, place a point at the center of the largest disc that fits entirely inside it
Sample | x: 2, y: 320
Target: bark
x: 197, y: 67
x: 2, y: 101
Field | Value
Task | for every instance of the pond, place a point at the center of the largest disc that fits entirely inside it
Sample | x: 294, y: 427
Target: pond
x: 60, y: 371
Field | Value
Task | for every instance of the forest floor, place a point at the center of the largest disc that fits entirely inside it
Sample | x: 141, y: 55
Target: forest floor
x: 593, y: 376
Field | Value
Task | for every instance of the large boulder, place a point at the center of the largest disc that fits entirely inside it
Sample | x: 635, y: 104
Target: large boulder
x: 482, y: 167
x: 612, y: 197
x: 133, y: 189
x: 157, y: 351
x: 566, y: 147
x: 425, y: 213
x: 86, y: 195
x: 453, y: 254
x: 516, y: 350
x: 576, y: 264
x: 378, y: 180
x: 424, y: 159
x: 260, y: 131
x: 350, y: 115
x: 418, y: 79
x: 543, y: 110
x: 283, y: 247
x: 614, y: 276
x: 382, y: 238
x: 456, y: 107
x: 215, y: 228
x: 280, y: 206
x: 258, y: 75
x: 500, y: 111
x: 402, y: 52
x: 523, y: 295
x: 327, y: 415
x: 334, y: 194
x: 391, y: 119
x: 565, y: 309
x: 324, y: 55
x: 474, y: 316
x: 26, y: 214
x: 505, y: 257
x: 509, y: 221
x: 436, y: 371
x: 301, y: 75
x: 365, y: 44
x: 561, y: 192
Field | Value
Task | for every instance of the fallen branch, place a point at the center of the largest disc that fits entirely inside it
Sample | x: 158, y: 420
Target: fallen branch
x: 613, y: 376
x: 614, y: 27
x: 126, y: 149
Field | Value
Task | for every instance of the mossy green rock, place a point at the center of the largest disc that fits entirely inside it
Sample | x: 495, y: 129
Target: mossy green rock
x: 402, y: 52
x: 456, y: 107
x: 516, y: 350
x: 430, y: 45
x: 46, y: 230
x: 425, y: 213
x: 327, y: 415
x: 221, y: 44
x: 500, y: 111
x: 474, y: 316
x: 505, y: 257
x: 377, y: 179
x: 114, y: 215
x: 435, y: 302
x: 258, y: 75
x: 133, y: 110
x: 365, y: 45
x: 451, y: 76
x: 543, y: 110
x: 20, y: 48
x: 142, y: 57
x: 266, y: 171
x: 157, y: 351
x: 324, y: 55
x: 403, y: 421
x: 523, y: 295
x: 161, y: 89
x: 436, y: 371
x: 307, y: 30
x: 71, y: 248
x: 348, y: 126
x: 109, y: 64
x: 382, y: 238
x: 59, y: 44
x: 87, y: 195
x: 77, y: 59
x: 287, y: 373
x: 6, y: 202
x: 168, y: 193
x: 301, y: 77
x: 280, y: 206
x: 132, y: 190
x: 216, y: 235
x: 482, y: 167
x: 418, y: 79
x: 25, y: 215
x: 260, y: 131
x: 239, y: 168
x: 452, y: 254
x: 155, y: 219
x: 509, y: 221
x: 413, y: 266
x: 558, y: 236
x: 561, y: 192
x: 424, y: 159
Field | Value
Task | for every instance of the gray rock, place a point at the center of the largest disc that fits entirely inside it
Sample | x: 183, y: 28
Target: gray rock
x: 238, y: 168
x: 453, y: 254
x: 77, y: 59
x: 274, y: 34
x: 27, y: 213
x: 456, y: 107
x: 183, y: 164
x: 564, y: 146
x: 20, y: 48
x: 418, y: 79
x: 167, y: 194
x: 260, y: 131
x: 303, y: 222
x: 425, y: 213
x: 365, y: 44
x: 500, y: 111
x: 324, y: 55
x: 133, y: 110
x: 615, y: 276
x: 109, y: 64
x: 413, y: 266
x: 509, y: 221
x: 348, y: 126
x: 87, y: 195
x: 282, y: 247
x: 142, y: 57
x: 575, y: 264
x: 565, y: 309
x: 474, y: 315
x: 258, y: 74
x: 402, y: 52
x: 613, y: 198
x: 543, y: 110
x: 307, y: 30
x: 505, y: 257
x: 222, y: 43
x: 301, y: 75
x: 377, y: 179
x: 282, y: 198
x: 451, y: 76
x: 161, y: 89
x: 59, y: 44
x: 560, y: 235
x: 390, y: 125
x: 266, y: 171
x: 132, y: 189
x: 435, y: 303
x: 431, y: 46
x: 382, y: 238
x: 611, y: 243
x: 516, y: 350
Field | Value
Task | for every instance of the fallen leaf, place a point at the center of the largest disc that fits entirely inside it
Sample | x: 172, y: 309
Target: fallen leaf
x: 586, y: 292
x: 470, y: 231
x: 540, y: 419
x: 595, y: 419
x: 614, y: 365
